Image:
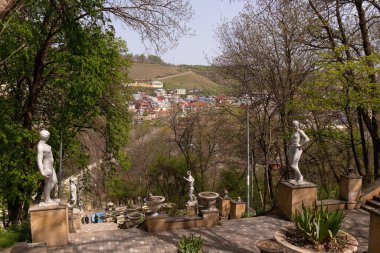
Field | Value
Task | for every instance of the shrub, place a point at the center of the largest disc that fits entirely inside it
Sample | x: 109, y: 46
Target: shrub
x: 17, y: 233
x: 190, y: 244
x: 318, y: 225
x: 7, y: 238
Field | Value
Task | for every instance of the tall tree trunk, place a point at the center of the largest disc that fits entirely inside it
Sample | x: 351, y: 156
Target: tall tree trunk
x: 14, y: 211
x: 371, y: 122
x: 367, y: 177
x: 15, y: 206
x: 352, y: 141
x: 283, y: 121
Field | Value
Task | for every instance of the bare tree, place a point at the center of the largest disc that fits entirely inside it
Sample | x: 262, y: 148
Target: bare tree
x: 205, y: 140
x: 262, y: 54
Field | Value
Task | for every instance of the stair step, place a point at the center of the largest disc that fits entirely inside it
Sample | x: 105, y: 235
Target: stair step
x: 376, y: 197
x: 367, y: 208
x: 373, y: 203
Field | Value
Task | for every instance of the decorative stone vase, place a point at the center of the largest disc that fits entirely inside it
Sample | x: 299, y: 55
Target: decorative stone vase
x: 154, y: 203
x: 135, y: 217
x: 270, y: 246
x: 208, y: 199
x: 350, y: 247
x: 132, y: 209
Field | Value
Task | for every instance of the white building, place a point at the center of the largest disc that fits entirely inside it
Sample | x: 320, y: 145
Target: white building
x: 180, y: 91
x: 160, y: 92
x: 157, y: 84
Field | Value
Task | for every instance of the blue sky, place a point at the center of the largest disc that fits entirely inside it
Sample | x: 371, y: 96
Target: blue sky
x: 191, y: 50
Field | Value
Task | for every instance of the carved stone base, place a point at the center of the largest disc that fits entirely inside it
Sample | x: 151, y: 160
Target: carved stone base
x: 49, y: 224
x: 291, y: 196
x: 224, y: 206
x: 74, y: 220
x: 350, y: 187
x: 53, y: 203
x: 191, y: 209
x: 237, y: 209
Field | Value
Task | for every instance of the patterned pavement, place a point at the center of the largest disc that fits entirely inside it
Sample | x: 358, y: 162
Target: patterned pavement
x: 231, y: 236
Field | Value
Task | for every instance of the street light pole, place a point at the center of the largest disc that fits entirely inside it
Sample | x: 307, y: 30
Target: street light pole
x: 248, y: 158
x: 60, y: 167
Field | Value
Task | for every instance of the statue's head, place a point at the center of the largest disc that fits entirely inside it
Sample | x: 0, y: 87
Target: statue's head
x: 44, y: 134
x: 296, y: 124
x: 189, y: 172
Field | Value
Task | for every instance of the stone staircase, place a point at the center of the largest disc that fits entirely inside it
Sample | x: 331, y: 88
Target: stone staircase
x: 372, y: 204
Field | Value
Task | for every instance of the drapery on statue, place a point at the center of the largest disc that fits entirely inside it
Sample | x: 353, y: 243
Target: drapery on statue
x: 191, y: 180
x: 299, y: 139
x: 45, y: 164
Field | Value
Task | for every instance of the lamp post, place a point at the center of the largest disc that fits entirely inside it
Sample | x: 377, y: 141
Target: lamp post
x: 60, y: 167
x: 248, y: 172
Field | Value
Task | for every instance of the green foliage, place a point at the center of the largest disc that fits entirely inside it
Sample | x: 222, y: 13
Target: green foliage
x: 17, y: 233
x: 118, y: 187
x: 80, y: 80
x: 318, y: 224
x: 190, y: 244
x: 246, y: 215
x: 166, y: 176
x: 18, y: 177
x: 7, y: 238
x: 231, y: 179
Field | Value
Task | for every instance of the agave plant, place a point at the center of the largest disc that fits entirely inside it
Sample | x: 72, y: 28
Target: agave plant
x: 318, y: 224
x: 190, y: 244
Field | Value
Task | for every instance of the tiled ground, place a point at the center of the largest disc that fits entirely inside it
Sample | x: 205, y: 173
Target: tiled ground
x: 230, y: 236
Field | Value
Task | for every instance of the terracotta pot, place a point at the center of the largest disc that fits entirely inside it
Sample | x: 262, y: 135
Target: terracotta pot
x: 269, y: 246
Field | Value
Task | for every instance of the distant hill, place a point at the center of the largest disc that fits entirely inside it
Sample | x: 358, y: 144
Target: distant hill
x: 176, y: 77
x: 146, y: 71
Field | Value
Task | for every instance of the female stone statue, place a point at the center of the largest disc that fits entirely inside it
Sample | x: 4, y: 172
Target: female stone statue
x: 190, y: 179
x: 73, y: 191
x: 299, y: 139
x: 45, y: 164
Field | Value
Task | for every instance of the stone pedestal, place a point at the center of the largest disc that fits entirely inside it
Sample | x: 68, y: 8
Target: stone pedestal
x: 74, y: 219
x: 224, y: 206
x: 237, y: 209
x: 374, y: 232
x: 291, y: 196
x: 49, y: 224
x: 77, y: 221
x: 191, y: 210
x: 350, y: 187
x: 210, y: 217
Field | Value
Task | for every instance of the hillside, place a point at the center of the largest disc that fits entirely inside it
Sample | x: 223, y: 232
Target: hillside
x: 175, y: 77
x: 191, y: 80
x: 146, y: 71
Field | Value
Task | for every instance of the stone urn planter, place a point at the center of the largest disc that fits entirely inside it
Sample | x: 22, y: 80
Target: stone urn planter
x: 270, y: 246
x: 351, y: 244
x: 135, y: 217
x: 208, y: 199
x: 154, y: 203
x: 132, y: 209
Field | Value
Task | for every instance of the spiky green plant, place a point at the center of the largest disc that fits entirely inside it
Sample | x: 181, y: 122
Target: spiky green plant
x: 318, y: 224
x: 190, y: 244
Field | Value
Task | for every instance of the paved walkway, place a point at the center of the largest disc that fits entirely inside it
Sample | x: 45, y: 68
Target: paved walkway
x: 231, y: 236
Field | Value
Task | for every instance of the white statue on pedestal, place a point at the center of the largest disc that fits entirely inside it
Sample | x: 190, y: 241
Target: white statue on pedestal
x: 45, y: 164
x: 299, y: 139
x: 73, y: 191
x: 192, y: 198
